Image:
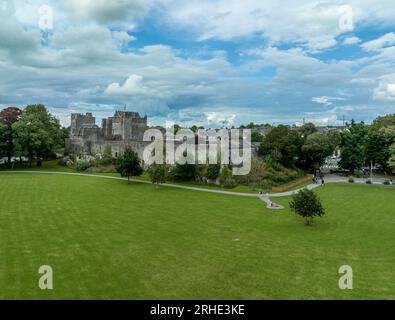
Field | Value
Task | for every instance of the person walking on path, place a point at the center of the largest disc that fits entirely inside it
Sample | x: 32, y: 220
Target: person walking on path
x: 322, y: 181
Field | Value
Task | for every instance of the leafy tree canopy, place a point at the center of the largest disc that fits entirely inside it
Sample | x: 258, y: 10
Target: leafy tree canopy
x: 306, y: 204
x: 129, y: 164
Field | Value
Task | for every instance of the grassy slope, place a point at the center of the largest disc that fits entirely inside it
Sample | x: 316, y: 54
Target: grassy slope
x: 105, y: 239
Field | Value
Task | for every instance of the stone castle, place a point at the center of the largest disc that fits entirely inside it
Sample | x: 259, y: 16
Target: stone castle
x: 121, y: 130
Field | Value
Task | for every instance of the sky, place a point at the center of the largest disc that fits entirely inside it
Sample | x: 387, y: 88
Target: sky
x: 201, y: 62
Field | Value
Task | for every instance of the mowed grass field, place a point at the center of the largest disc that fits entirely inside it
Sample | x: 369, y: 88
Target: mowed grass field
x: 106, y: 239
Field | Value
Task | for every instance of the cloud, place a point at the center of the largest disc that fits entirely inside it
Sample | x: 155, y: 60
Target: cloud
x: 351, y: 41
x: 215, y: 118
x: 265, y: 69
x: 326, y: 100
x: 109, y: 12
x: 131, y: 86
x: 385, y: 91
x: 379, y: 43
x: 314, y: 25
x: 122, y: 38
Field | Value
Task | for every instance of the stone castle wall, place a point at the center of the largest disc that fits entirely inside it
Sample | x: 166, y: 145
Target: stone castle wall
x: 121, y: 130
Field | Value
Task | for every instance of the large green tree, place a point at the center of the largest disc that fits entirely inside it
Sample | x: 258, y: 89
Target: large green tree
x: 282, y: 144
x: 37, y: 134
x: 317, y: 147
x: 353, y: 147
x: 381, y: 135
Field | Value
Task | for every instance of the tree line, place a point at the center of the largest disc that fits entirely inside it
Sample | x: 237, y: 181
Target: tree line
x: 32, y: 133
x: 359, y: 145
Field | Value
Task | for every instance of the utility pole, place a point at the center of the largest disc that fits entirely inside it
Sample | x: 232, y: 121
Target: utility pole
x: 371, y: 171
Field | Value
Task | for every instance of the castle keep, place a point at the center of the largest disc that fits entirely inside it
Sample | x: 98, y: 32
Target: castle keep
x: 121, y: 130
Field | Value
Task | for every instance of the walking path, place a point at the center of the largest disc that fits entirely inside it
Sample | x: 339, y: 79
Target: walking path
x: 263, y: 197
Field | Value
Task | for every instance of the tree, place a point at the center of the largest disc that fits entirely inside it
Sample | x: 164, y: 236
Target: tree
x: 213, y: 171
x: 158, y: 173
x: 380, y: 136
x: 282, y: 145
x: 37, y: 134
x: 107, y: 155
x: 385, y: 121
x: 391, y: 161
x: 3, y: 144
x: 226, y: 178
x: 129, y: 164
x: 378, y: 142
x: 183, y: 172
x: 306, y: 204
x: 353, y: 147
x: 8, y: 117
x: 256, y: 137
x: 316, y: 149
x: 258, y: 175
x: 307, y: 129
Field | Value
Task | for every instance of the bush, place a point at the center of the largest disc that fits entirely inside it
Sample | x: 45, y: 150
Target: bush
x: 368, y: 181
x: 158, y: 173
x: 62, y: 162
x: 107, y: 156
x: 351, y: 180
x: 226, y: 178
x: 82, y: 165
x: 386, y: 182
x: 183, y: 172
x: 213, y: 171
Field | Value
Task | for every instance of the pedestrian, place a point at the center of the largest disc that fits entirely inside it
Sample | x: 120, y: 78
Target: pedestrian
x: 322, y: 181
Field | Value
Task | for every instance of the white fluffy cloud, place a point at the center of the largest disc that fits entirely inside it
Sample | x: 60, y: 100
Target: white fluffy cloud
x: 217, y: 118
x: 385, y: 91
x: 308, y: 23
x: 133, y: 85
x: 379, y: 43
x: 312, y: 24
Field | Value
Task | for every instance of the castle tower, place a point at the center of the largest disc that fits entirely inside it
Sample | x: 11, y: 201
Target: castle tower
x: 78, y: 121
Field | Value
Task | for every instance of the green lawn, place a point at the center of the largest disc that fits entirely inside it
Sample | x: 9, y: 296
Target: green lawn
x: 106, y: 239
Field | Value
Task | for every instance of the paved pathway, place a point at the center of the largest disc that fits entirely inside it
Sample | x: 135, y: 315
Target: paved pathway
x: 263, y: 197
